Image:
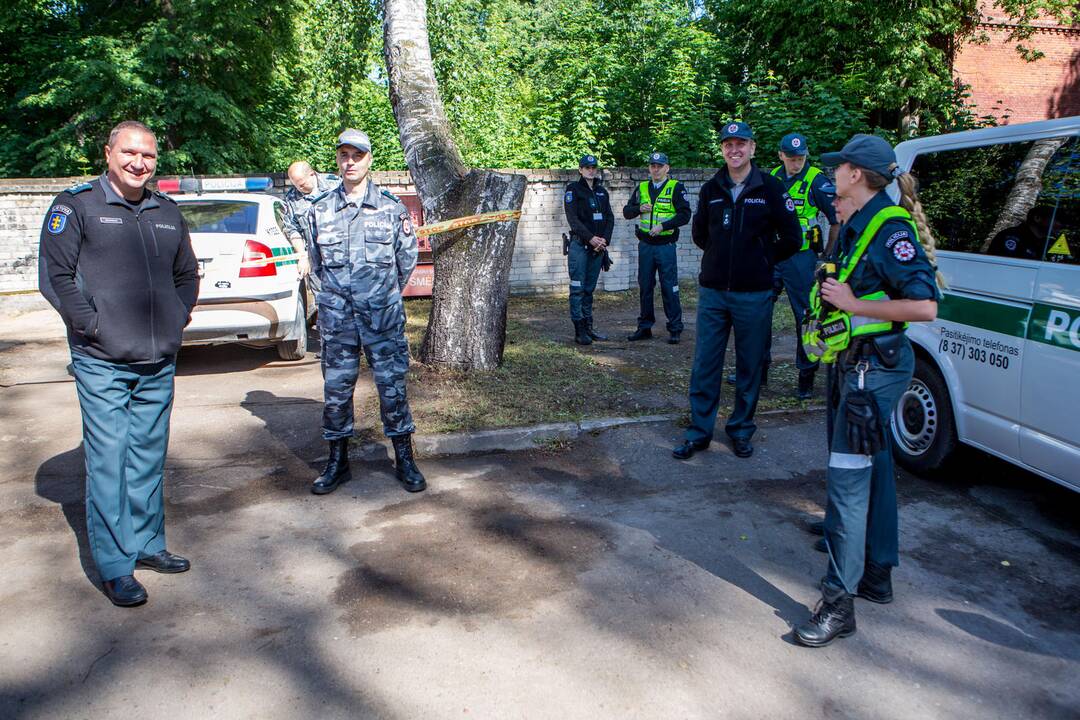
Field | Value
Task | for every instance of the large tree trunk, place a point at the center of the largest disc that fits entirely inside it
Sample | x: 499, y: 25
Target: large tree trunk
x: 467, y: 327
x: 1025, y: 191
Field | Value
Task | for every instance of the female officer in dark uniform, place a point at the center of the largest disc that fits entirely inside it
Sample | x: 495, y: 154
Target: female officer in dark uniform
x: 884, y: 278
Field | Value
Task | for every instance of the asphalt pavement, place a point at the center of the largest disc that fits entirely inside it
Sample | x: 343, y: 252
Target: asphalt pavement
x: 594, y: 578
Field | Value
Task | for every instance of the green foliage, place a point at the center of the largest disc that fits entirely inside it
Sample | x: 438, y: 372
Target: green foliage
x: 251, y: 85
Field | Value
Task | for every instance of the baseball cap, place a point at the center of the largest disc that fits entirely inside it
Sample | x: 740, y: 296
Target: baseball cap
x: 587, y: 161
x: 357, y: 138
x: 736, y: 129
x: 866, y: 151
x: 658, y: 158
x: 793, y: 144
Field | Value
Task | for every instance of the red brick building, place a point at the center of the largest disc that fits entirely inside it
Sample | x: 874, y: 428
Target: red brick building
x: 1002, y: 83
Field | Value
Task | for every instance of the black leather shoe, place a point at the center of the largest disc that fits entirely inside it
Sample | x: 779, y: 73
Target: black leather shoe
x: 405, y: 465
x: 815, y: 527
x: 829, y: 621
x: 688, y: 448
x: 592, y: 332
x: 742, y: 446
x: 125, y: 591
x: 674, y: 339
x: 581, y: 333
x: 821, y: 546
x: 164, y: 562
x: 806, y: 384
x: 641, y: 334
x: 876, y: 584
x: 336, y: 470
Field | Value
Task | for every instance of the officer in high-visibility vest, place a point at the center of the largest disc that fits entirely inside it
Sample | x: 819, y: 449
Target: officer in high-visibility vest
x: 880, y: 277
x: 663, y: 207
x: 813, y: 194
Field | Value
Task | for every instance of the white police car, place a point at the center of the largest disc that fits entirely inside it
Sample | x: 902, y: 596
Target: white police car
x: 250, y: 291
x: 1000, y: 367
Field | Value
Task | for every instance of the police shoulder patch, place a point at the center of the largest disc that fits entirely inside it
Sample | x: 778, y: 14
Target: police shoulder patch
x: 904, y: 251
x: 569, y: 197
x: 56, y: 222
x: 62, y: 209
x: 406, y: 223
x: 897, y: 236
x: 789, y: 204
x: 76, y: 189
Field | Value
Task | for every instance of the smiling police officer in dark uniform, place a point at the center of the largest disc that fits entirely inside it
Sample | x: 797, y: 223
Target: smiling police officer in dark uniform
x: 745, y: 224
x: 588, y: 210
x: 116, y: 262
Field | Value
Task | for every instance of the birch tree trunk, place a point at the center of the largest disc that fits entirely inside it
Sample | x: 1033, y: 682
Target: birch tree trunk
x: 1025, y: 191
x: 467, y: 326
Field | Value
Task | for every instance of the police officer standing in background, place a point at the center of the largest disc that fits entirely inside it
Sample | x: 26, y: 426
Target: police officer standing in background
x: 745, y: 223
x: 117, y: 264
x: 307, y: 187
x: 662, y: 205
x: 813, y: 193
x: 588, y: 210
x: 363, y: 252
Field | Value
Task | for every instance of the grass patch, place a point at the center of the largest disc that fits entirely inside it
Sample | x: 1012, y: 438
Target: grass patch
x: 545, y: 378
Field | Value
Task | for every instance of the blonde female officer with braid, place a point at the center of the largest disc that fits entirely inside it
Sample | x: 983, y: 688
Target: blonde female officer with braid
x: 883, y: 278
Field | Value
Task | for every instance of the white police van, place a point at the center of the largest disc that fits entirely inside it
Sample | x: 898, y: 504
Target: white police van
x: 250, y: 290
x: 1000, y: 367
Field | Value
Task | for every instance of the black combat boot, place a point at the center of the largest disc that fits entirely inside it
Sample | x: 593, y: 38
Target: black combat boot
x: 592, y: 333
x: 876, y: 584
x: 829, y: 621
x: 336, y: 470
x: 581, y: 333
x: 806, y: 384
x: 405, y: 466
x: 640, y: 334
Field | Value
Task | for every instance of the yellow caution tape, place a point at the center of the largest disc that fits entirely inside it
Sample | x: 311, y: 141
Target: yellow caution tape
x: 422, y: 231
x: 464, y: 222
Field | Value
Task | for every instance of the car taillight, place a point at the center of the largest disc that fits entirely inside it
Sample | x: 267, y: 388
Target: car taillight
x: 258, y: 260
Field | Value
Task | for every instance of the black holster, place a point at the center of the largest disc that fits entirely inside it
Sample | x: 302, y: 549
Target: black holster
x: 565, y: 244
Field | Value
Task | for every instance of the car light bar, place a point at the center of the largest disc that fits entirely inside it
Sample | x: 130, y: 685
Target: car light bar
x: 201, y: 185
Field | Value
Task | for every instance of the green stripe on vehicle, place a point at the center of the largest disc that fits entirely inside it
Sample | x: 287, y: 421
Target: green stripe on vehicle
x: 283, y: 251
x: 985, y: 314
x: 1055, y: 325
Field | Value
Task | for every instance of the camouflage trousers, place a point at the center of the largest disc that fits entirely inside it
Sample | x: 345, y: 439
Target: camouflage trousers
x: 388, y: 356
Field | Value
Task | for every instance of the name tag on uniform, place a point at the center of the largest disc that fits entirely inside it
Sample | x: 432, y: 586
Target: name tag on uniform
x: 598, y: 216
x: 111, y: 221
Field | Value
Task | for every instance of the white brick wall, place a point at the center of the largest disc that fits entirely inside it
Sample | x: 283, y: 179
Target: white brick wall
x: 538, y: 264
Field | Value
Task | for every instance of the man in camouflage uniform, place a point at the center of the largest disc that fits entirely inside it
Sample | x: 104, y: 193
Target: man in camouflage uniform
x: 307, y: 187
x: 363, y: 250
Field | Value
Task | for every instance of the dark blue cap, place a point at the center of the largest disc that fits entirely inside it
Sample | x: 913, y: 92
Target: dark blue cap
x: 587, y: 161
x: 865, y: 151
x: 793, y: 144
x: 658, y: 158
x: 736, y: 129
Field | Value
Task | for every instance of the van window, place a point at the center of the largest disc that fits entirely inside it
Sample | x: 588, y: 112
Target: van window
x: 965, y: 192
x: 1059, y: 205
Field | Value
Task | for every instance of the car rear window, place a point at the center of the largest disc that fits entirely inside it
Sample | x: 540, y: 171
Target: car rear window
x: 221, y: 216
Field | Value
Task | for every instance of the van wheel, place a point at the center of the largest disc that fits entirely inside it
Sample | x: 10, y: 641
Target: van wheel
x: 923, y: 429
x: 296, y: 349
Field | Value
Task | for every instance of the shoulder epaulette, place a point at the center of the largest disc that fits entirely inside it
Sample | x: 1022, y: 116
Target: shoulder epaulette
x: 81, y: 187
x: 390, y: 195
x: 164, y: 196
